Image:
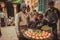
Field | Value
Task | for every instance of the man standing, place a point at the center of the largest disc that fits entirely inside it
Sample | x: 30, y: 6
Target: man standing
x: 21, y: 22
x: 2, y: 17
x: 0, y: 22
x: 52, y: 16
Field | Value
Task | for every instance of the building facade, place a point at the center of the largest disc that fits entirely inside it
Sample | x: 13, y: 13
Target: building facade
x: 12, y: 8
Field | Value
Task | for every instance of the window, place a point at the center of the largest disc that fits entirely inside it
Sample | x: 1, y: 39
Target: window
x: 42, y: 5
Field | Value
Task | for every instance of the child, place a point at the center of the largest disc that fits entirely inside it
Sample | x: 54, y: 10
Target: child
x: 41, y: 21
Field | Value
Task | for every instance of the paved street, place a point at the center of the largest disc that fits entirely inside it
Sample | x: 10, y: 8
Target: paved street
x: 8, y: 33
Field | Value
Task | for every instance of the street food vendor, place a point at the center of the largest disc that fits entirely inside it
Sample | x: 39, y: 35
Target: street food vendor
x: 21, y: 22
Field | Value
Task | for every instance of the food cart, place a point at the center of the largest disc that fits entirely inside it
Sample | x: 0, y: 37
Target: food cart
x: 36, y: 34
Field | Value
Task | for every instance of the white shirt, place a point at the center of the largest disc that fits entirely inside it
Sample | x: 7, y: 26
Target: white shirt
x: 2, y: 15
x: 22, y: 21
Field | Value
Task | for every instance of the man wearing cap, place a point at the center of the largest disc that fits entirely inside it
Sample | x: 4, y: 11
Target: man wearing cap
x: 52, y: 14
x: 21, y: 22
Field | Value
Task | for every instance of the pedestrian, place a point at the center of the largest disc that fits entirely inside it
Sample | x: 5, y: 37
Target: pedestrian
x: 52, y: 17
x: 0, y: 22
x: 33, y: 21
x: 21, y: 22
x: 3, y: 17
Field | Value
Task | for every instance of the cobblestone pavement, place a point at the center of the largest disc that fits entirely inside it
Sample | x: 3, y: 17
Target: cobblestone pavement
x: 8, y: 33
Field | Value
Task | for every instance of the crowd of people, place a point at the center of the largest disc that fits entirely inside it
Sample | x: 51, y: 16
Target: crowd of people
x: 35, y: 20
x: 26, y: 19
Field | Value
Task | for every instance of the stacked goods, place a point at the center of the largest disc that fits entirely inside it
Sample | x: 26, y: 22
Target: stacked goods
x: 37, y: 34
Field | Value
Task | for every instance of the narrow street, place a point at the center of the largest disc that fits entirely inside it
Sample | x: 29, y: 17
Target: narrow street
x: 8, y: 33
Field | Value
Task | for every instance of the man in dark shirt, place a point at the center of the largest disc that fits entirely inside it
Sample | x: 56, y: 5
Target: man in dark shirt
x: 52, y: 16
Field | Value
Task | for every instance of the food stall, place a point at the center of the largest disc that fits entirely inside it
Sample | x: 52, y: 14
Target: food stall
x: 36, y: 34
